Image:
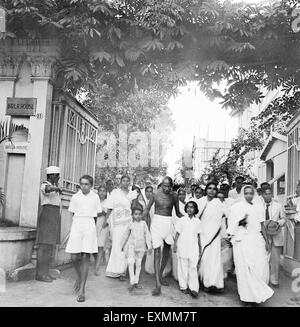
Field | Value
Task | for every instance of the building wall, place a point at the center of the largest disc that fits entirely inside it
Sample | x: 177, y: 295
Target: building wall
x: 203, y: 152
x: 27, y: 69
x: 244, y: 119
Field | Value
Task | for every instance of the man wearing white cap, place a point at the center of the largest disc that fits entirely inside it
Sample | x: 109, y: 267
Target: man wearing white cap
x: 48, y: 227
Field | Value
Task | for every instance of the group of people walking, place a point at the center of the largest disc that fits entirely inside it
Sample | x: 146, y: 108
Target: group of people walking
x: 200, y: 234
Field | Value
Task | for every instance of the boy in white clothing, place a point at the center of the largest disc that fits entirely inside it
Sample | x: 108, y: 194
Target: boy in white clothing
x: 188, y: 248
x: 136, y: 241
x: 85, y: 205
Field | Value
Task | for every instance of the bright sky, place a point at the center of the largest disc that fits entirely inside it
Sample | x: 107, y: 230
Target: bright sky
x: 195, y: 115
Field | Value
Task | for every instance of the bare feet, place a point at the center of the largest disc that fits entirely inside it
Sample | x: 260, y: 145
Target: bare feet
x: 164, y: 282
x: 131, y: 288
x: 194, y: 294
x: 122, y: 279
x: 77, y: 285
x: 186, y: 291
x: 156, y: 292
x: 138, y: 286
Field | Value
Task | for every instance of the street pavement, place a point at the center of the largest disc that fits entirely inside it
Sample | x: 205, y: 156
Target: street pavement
x: 102, y: 291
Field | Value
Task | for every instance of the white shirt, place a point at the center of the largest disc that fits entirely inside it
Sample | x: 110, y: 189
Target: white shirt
x: 233, y: 194
x: 85, y: 205
x: 188, y: 229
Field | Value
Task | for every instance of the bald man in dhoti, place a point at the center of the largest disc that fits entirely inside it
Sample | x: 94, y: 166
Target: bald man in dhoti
x: 161, y: 228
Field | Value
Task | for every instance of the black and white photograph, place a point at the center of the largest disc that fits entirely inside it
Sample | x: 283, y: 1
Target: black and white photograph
x: 149, y: 156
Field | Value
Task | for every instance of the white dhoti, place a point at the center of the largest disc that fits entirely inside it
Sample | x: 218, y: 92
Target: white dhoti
x: 161, y: 231
x: 252, y: 268
x: 83, y: 236
x: 187, y: 274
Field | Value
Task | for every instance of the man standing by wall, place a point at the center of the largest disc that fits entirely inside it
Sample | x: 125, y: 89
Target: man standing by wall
x: 274, y: 211
x: 48, y: 227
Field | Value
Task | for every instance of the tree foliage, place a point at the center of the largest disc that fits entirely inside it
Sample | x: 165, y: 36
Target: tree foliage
x: 164, y: 43
x: 234, y: 164
x: 278, y: 113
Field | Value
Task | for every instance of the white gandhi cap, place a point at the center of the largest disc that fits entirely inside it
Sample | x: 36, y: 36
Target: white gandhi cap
x: 52, y: 170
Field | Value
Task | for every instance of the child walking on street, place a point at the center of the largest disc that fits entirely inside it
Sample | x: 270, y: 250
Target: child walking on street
x: 188, y: 248
x: 102, y: 230
x: 85, y: 205
x: 136, y: 241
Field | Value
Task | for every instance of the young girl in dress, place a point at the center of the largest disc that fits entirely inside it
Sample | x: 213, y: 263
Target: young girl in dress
x: 136, y: 241
x: 102, y: 231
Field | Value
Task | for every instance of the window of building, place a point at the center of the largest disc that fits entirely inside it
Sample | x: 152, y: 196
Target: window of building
x: 293, y: 161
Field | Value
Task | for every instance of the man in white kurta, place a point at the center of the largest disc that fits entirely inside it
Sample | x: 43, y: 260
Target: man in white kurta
x: 188, y: 252
x: 249, y: 252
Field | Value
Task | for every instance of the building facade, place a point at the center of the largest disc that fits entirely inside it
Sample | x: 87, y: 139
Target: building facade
x: 244, y: 120
x: 292, y: 242
x: 204, y: 150
x: 59, y: 131
x: 273, y: 165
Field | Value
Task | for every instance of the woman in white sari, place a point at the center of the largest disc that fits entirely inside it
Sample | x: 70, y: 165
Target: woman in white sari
x: 211, y: 267
x: 245, y: 227
x: 119, y: 214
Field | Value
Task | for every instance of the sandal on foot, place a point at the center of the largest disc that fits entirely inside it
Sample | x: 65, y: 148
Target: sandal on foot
x: 45, y: 279
x: 80, y: 298
x: 138, y: 286
x: 156, y: 292
x: 164, y: 282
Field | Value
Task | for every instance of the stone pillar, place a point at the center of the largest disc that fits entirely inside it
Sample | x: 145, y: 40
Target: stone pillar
x: 39, y: 134
x: 8, y: 69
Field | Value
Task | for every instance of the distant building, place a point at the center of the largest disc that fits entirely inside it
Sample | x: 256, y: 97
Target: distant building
x: 203, y: 152
x: 244, y: 121
x: 292, y: 242
x: 274, y: 164
x: 187, y: 165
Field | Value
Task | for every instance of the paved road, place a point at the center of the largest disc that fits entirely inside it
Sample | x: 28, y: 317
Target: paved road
x: 103, y: 291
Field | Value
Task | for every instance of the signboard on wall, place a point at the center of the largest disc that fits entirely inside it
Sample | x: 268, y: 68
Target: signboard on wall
x: 21, y: 106
x: 16, y: 147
